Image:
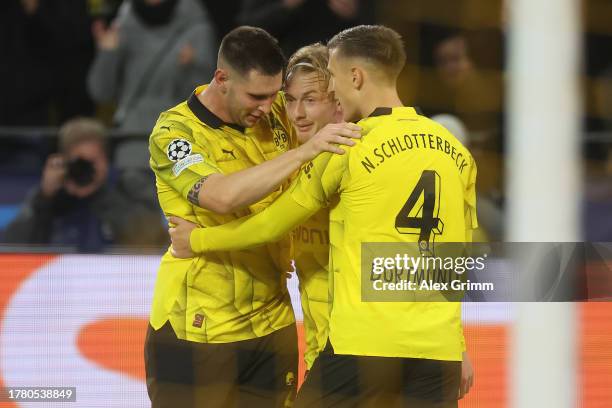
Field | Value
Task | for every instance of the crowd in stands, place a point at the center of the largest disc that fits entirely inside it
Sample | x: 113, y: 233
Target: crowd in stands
x: 124, y: 62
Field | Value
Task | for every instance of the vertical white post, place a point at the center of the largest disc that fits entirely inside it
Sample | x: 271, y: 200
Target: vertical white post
x: 544, y: 188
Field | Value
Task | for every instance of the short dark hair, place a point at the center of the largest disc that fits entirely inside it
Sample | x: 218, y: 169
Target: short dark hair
x: 376, y: 43
x: 246, y: 48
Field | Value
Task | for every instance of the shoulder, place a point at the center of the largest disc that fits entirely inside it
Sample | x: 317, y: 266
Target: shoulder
x: 172, y: 123
x: 278, y: 106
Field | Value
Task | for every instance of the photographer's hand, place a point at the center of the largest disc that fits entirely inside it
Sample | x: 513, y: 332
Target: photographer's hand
x: 53, y: 175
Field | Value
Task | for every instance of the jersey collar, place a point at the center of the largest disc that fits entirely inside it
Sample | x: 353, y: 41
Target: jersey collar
x: 206, y: 116
x: 399, y: 111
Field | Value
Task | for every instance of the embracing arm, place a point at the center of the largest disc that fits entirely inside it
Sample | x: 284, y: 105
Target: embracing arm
x: 267, y: 226
x: 225, y: 194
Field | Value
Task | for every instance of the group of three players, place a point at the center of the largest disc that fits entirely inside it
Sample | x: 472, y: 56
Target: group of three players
x: 222, y: 331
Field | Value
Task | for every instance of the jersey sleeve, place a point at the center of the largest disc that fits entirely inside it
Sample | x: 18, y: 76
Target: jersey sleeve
x: 319, y: 180
x: 267, y: 226
x: 176, y: 159
x: 471, y: 218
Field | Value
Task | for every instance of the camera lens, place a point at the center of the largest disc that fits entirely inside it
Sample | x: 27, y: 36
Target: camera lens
x: 80, y: 171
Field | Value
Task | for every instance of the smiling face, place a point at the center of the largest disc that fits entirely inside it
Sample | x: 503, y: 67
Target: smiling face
x: 309, y: 105
x: 249, y: 98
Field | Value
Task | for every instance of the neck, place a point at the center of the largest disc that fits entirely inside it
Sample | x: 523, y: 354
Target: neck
x: 214, y: 100
x: 385, y: 97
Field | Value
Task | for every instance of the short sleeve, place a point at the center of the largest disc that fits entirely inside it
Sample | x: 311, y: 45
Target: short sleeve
x: 319, y: 180
x: 177, y: 159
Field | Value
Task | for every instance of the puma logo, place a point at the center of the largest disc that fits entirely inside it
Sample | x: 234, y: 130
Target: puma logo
x: 231, y: 152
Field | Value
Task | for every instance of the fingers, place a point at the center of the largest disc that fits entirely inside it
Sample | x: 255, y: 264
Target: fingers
x: 350, y: 130
x: 333, y: 148
x: 464, y: 388
x: 470, y: 384
x: 55, y: 160
x: 343, y: 141
x: 174, y: 220
x: 461, y: 390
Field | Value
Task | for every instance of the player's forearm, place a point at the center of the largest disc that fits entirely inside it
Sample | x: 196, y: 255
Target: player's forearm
x: 235, y: 191
x: 267, y: 226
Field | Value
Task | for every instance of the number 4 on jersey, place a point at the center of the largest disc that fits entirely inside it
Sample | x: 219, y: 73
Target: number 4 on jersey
x: 420, y: 216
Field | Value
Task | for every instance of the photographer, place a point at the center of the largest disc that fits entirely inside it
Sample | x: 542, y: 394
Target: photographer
x: 76, y: 205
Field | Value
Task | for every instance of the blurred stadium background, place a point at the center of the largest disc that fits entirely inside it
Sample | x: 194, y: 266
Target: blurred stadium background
x: 70, y: 319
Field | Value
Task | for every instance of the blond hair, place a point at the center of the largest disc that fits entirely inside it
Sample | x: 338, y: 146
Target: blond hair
x: 308, y: 59
x: 78, y: 130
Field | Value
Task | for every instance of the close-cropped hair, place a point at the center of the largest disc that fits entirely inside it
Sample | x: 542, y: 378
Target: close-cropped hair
x: 377, y: 44
x: 250, y: 48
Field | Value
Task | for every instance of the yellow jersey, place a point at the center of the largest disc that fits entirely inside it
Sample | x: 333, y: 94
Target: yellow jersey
x: 408, y: 180
x: 223, y: 296
x: 311, y: 255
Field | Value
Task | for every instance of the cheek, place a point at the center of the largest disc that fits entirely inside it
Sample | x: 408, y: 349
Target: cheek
x: 290, y: 108
x: 322, y: 114
x: 240, y: 104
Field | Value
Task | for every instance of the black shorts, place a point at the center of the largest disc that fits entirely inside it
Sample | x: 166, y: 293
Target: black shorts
x: 260, y: 372
x: 337, y: 380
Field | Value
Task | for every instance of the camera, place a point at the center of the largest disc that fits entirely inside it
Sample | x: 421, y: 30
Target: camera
x: 80, y: 171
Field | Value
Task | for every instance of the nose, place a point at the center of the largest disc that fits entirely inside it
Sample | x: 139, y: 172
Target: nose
x: 298, y: 110
x: 266, y: 107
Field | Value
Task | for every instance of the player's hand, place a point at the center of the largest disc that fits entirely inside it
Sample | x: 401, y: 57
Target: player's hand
x: 180, y: 231
x: 467, y: 376
x: 329, y: 138
x: 107, y: 38
x: 53, y: 175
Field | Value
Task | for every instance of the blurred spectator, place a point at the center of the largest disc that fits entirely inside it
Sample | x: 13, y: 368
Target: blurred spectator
x: 151, y: 57
x: 223, y: 14
x: 76, y: 205
x: 300, y: 22
x: 489, y: 204
x: 46, y: 49
x: 456, y: 86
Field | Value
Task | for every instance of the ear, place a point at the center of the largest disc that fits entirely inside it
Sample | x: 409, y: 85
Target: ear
x: 221, y: 77
x: 357, y: 77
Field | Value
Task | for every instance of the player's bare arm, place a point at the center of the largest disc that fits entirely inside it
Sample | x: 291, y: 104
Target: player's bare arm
x: 224, y: 194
